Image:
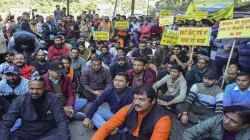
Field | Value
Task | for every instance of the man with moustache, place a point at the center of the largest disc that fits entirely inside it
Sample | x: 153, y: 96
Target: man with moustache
x: 144, y: 119
x: 95, y: 79
x: 77, y: 62
x: 232, y: 125
x: 117, y: 97
x: 13, y: 86
x: 48, y: 29
x: 61, y: 85
x: 139, y: 75
x: 24, y: 70
x: 57, y: 50
x: 41, y: 113
x: 8, y: 62
x: 203, y: 101
x: 120, y: 66
x: 40, y: 63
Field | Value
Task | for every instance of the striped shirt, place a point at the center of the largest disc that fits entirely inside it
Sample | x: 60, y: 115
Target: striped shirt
x: 205, y: 97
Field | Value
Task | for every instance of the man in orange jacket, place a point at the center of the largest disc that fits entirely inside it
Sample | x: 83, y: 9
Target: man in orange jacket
x: 152, y: 121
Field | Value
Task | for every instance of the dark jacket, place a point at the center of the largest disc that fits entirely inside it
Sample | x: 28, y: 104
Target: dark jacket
x: 4, y: 106
x: 92, y: 81
x: 53, y: 116
x: 66, y: 87
x: 109, y: 96
x: 116, y: 68
x: 47, y: 32
x: 244, y: 53
x: 106, y: 59
x: 42, y: 69
x: 148, y: 77
x: 195, y: 75
x: 148, y: 122
x: 23, y: 25
x: 159, y: 57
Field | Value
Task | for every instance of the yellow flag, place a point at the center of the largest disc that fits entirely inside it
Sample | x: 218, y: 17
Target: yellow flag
x: 191, y: 11
x: 227, y: 13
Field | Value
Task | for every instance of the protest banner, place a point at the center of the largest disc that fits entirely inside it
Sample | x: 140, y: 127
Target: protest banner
x: 165, y: 13
x: 121, y: 24
x: 104, y: 36
x: 238, y: 28
x: 181, y: 17
x: 169, y: 37
x: 200, y: 15
x: 199, y: 36
x: 166, y: 20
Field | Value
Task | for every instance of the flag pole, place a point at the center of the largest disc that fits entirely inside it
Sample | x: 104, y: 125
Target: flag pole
x: 228, y: 62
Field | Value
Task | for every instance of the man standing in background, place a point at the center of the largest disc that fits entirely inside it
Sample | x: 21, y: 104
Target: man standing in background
x: 57, y: 13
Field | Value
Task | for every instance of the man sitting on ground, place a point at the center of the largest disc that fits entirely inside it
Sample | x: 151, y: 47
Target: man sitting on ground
x: 238, y: 93
x: 230, y: 76
x: 144, y: 109
x: 106, y: 57
x: 40, y: 63
x: 233, y: 125
x: 195, y: 73
x: 57, y: 50
x: 41, y: 113
x: 203, y: 101
x: 139, y: 75
x: 117, y: 97
x: 77, y: 62
x: 61, y: 85
x: 176, y: 87
x: 24, y: 70
x: 8, y: 62
x: 120, y: 66
x: 95, y: 79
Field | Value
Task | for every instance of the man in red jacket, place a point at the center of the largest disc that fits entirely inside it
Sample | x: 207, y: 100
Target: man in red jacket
x: 140, y: 75
x: 57, y: 50
x: 61, y: 85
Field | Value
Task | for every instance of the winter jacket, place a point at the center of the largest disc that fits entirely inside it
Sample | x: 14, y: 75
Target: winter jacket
x: 55, y: 53
x: 148, y: 77
x: 244, y: 54
x: 66, y: 87
x: 53, y: 116
x: 214, y: 128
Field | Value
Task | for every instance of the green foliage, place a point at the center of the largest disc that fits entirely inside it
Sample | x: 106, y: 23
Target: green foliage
x: 76, y: 6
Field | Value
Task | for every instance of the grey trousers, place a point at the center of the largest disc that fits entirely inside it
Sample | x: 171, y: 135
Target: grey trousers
x: 196, y: 113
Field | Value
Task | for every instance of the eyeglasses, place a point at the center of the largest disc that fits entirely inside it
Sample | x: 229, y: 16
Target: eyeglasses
x: 37, y: 78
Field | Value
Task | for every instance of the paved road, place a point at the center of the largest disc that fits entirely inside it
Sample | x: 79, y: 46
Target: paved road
x: 78, y: 132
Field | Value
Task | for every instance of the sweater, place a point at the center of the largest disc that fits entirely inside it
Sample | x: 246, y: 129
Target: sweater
x: 116, y: 100
x: 55, y: 53
x: 234, y: 96
x: 204, y: 97
x: 177, y: 90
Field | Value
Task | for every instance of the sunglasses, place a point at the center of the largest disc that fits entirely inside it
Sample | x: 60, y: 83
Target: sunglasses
x: 37, y: 78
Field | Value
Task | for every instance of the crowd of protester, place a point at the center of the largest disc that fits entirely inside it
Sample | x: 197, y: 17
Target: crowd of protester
x: 50, y: 70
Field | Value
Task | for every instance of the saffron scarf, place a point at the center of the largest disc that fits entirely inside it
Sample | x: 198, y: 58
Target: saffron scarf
x: 71, y: 73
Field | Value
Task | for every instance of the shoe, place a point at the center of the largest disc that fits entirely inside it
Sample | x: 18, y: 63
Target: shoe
x: 79, y: 116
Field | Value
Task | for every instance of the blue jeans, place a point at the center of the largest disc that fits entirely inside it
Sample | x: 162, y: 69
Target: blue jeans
x: 101, y: 116
x: 80, y: 104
